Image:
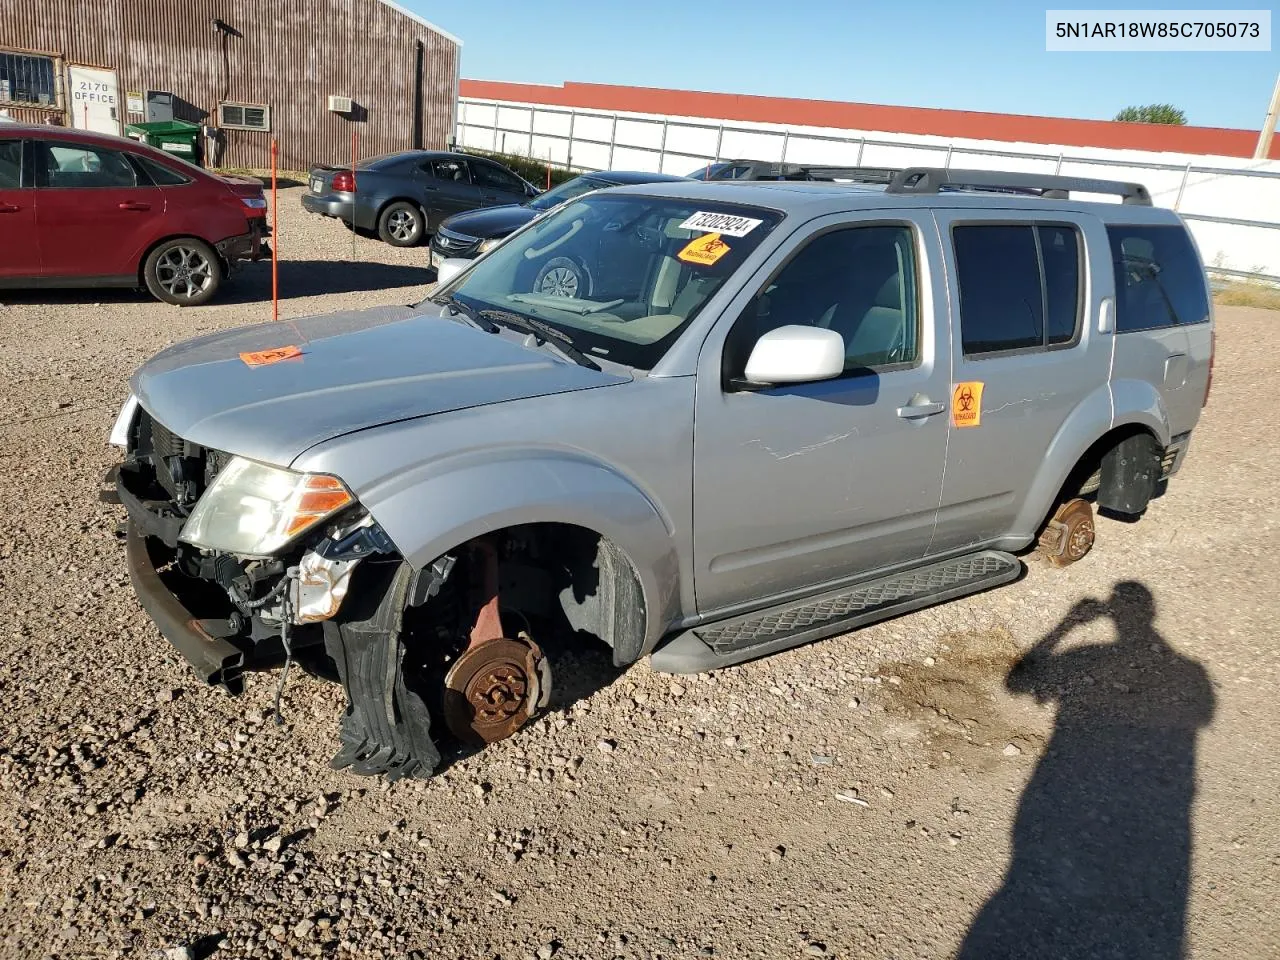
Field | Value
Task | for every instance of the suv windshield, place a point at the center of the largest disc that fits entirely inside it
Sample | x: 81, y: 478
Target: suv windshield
x: 567, y: 191
x: 621, y: 275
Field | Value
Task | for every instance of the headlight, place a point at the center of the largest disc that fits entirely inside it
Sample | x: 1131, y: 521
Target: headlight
x: 487, y: 245
x: 251, y: 508
x: 120, y: 431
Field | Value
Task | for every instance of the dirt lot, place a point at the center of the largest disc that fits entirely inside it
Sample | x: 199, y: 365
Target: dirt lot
x: 901, y: 792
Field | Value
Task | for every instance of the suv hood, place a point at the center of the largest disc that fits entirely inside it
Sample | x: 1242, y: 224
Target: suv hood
x: 357, y: 369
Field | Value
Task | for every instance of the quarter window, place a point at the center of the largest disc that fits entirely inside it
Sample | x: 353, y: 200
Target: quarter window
x: 1159, y: 280
x: 10, y: 164
x: 858, y: 281
x: 160, y: 175
x: 1020, y: 286
x: 68, y: 167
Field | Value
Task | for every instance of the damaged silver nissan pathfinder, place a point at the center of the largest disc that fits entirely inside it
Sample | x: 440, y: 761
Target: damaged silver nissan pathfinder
x: 701, y: 421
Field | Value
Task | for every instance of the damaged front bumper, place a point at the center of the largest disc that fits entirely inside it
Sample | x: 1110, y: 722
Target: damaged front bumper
x: 356, y: 634
x: 202, y: 642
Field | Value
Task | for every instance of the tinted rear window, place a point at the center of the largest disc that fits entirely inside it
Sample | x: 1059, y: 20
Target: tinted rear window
x: 1159, y: 280
x: 1020, y: 285
x: 999, y: 275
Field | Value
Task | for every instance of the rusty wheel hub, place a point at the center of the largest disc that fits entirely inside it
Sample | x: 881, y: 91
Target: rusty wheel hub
x: 1069, y: 535
x: 494, y: 688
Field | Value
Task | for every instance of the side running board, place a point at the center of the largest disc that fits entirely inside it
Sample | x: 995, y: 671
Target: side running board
x: 753, y: 635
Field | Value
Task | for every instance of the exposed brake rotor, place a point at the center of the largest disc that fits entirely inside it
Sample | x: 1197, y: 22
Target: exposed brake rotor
x: 494, y: 688
x: 1069, y: 534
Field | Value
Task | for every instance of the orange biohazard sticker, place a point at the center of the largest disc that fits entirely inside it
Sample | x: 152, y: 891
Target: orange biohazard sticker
x: 704, y: 250
x: 260, y: 358
x: 966, y: 404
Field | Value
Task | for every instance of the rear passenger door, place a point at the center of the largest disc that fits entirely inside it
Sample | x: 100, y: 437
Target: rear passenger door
x: 95, y: 215
x: 497, y: 186
x: 1023, y: 360
x: 445, y: 188
x: 1161, y: 319
x: 19, y: 242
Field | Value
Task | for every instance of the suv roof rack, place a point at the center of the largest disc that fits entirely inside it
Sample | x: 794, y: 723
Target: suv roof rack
x: 936, y: 179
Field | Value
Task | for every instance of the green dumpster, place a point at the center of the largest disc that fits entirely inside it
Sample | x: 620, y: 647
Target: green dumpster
x: 179, y: 137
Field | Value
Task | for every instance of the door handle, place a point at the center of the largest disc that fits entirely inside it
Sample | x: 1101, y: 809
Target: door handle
x: 916, y: 411
x: 134, y: 205
x: 8, y: 208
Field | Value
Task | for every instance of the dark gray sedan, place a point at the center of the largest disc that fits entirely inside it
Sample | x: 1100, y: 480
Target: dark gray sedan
x: 406, y: 196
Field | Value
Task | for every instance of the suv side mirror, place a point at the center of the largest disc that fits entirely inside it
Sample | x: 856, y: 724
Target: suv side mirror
x: 795, y: 354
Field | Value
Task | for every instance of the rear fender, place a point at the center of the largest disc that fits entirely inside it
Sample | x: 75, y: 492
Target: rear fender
x: 1139, y: 402
x: 429, y: 511
x: 1119, y: 404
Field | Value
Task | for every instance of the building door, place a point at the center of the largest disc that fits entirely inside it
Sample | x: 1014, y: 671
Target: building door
x: 94, y: 99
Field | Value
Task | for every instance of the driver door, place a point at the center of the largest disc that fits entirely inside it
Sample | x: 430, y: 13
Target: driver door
x: 800, y: 486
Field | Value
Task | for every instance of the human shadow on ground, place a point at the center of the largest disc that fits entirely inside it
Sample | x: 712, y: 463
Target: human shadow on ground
x: 1101, y: 857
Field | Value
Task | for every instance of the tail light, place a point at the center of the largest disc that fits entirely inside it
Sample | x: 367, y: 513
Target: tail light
x: 344, y: 181
x: 1213, y: 349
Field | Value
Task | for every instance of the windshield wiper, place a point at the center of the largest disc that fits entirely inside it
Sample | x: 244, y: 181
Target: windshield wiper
x: 475, y: 317
x: 543, y: 332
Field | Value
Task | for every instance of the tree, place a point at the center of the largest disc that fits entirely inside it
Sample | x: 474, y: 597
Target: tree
x: 1153, y: 113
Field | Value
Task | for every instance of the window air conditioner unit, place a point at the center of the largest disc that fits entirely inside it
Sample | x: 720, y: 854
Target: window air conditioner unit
x: 339, y: 104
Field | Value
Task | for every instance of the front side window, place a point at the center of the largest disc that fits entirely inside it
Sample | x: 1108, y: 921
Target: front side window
x: 70, y: 167
x: 10, y: 164
x: 858, y: 281
x: 621, y: 275
x: 487, y: 175
x: 1159, y: 280
x: 1020, y: 285
x: 451, y: 170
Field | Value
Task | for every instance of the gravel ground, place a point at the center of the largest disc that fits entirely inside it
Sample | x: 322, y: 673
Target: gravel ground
x: 861, y: 797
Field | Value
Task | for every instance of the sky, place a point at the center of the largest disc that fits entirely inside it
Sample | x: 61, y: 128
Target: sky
x: 980, y: 56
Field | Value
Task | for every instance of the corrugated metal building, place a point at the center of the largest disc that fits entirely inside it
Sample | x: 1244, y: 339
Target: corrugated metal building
x: 253, y: 69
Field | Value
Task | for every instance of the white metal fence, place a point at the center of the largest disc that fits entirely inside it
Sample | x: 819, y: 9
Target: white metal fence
x: 1231, y: 205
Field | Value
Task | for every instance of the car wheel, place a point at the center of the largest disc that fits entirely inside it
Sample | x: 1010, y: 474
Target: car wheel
x: 401, y: 224
x: 562, y: 277
x: 185, y: 271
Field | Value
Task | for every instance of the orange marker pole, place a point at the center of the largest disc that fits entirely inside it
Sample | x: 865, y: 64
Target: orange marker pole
x: 354, y: 153
x: 275, y: 233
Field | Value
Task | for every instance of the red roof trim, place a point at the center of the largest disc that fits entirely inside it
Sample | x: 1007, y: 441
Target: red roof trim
x: 1007, y: 127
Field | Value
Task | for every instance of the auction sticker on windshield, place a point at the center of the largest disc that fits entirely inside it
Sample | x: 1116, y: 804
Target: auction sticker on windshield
x: 704, y: 250
x: 727, y: 224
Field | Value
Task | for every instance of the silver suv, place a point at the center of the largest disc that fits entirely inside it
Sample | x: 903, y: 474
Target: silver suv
x: 766, y: 413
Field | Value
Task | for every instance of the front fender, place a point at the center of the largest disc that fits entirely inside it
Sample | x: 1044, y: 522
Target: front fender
x: 429, y: 511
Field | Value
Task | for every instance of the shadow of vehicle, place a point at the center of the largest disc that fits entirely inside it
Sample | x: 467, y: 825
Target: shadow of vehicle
x: 250, y: 283
x: 315, y: 278
x: 1102, y: 842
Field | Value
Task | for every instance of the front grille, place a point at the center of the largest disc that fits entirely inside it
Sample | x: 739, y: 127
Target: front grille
x: 181, y: 468
x: 453, y: 243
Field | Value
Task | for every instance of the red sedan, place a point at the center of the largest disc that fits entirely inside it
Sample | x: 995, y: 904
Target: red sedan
x: 84, y: 209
